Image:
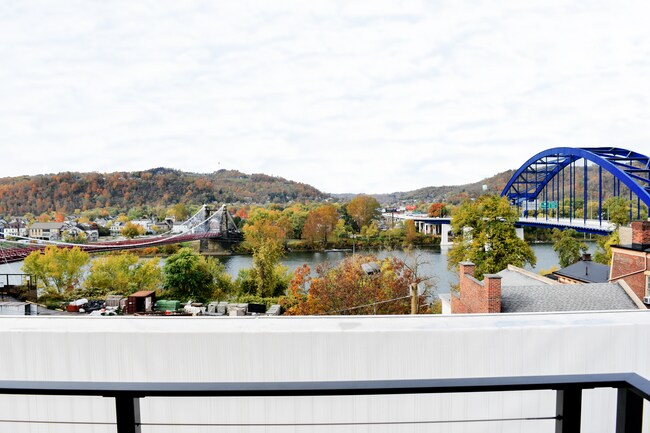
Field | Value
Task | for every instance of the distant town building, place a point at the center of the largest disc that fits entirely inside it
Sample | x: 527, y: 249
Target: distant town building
x: 16, y: 228
x: 116, y: 228
x: 46, y: 231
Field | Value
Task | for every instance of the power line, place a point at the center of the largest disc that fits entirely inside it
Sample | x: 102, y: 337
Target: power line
x: 365, y: 305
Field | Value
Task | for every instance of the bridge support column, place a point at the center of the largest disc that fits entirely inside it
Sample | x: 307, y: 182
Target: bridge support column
x: 444, y: 234
x: 520, y: 232
x: 212, y: 246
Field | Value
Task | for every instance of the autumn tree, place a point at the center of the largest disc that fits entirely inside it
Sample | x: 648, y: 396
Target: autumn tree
x: 363, y: 209
x: 123, y: 274
x: 410, y: 232
x: 348, y: 289
x: 44, y: 218
x: 295, y: 300
x: 568, y: 248
x: 58, y: 270
x: 437, y: 210
x: 265, y: 235
x: 297, y: 215
x: 485, y: 235
x: 180, y: 212
x: 320, y: 223
x: 74, y: 236
x: 131, y: 230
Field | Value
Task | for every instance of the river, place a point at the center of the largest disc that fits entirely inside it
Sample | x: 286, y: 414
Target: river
x: 433, y: 262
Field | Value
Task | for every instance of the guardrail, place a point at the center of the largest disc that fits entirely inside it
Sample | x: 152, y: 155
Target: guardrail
x: 632, y: 390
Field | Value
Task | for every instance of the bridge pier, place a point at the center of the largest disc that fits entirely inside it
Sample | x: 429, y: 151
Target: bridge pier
x: 520, y: 232
x: 444, y: 235
x: 214, y: 247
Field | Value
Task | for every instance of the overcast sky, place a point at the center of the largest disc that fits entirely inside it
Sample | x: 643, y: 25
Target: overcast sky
x: 351, y: 96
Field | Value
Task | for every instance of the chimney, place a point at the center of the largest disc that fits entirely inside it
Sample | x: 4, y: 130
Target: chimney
x: 641, y: 235
x: 586, y: 257
x: 466, y: 268
x: 492, y: 285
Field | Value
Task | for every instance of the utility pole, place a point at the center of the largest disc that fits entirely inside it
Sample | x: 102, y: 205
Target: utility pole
x: 414, y: 298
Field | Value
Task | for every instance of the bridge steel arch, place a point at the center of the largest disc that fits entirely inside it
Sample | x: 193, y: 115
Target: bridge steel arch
x: 533, y: 177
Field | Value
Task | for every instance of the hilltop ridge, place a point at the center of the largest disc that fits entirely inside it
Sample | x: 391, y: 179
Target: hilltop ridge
x: 155, y: 187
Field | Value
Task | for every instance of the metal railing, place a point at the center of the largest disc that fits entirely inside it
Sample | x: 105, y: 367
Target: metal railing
x: 632, y: 390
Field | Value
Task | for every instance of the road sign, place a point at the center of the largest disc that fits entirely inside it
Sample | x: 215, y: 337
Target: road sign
x: 548, y: 205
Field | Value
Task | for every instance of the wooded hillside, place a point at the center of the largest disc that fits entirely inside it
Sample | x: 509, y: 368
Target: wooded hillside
x: 66, y: 192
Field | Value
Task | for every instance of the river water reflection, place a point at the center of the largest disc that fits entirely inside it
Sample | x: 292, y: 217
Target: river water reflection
x: 433, y: 262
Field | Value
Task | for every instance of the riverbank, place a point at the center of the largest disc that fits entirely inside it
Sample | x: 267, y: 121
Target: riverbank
x: 433, y: 261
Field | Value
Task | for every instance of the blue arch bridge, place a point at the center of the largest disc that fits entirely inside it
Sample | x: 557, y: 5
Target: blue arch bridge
x: 568, y: 187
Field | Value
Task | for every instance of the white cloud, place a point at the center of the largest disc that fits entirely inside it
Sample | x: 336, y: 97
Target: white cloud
x: 346, y: 96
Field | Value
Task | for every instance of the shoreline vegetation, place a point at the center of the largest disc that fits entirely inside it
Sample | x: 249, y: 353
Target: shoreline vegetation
x: 269, y: 231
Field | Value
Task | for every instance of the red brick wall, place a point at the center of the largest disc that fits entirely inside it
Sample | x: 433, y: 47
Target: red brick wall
x: 476, y: 296
x: 641, y: 233
x: 630, y: 265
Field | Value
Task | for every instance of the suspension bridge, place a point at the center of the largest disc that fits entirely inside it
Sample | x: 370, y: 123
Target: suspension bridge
x: 207, y: 224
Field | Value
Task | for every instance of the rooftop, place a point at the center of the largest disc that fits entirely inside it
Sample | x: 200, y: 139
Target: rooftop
x: 567, y: 297
x: 586, y: 271
x: 514, y: 276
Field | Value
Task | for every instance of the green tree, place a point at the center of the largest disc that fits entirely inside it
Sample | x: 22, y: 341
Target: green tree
x: 568, y: 248
x: 363, y: 209
x: 485, y: 235
x: 297, y: 215
x: 131, y: 230
x: 189, y: 276
x: 265, y: 236
x: 617, y: 210
x: 603, y: 253
x: 58, y: 270
x: 123, y: 274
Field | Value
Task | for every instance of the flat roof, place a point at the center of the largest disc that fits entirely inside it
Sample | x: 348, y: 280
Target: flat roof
x: 586, y: 271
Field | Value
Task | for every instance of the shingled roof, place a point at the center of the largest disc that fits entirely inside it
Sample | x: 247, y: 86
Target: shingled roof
x: 566, y: 297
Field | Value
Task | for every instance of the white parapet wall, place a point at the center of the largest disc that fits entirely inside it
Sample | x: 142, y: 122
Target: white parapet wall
x: 262, y: 349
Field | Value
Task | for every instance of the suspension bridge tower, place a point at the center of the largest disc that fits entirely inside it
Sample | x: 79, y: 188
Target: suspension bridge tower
x: 223, y: 230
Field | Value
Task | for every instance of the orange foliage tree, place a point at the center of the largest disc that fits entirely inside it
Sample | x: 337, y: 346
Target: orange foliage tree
x: 363, y: 209
x: 347, y: 289
x: 320, y: 223
x: 437, y: 210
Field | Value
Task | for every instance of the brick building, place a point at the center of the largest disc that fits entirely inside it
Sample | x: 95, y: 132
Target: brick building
x: 515, y: 291
x: 631, y: 259
x: 477, y: 296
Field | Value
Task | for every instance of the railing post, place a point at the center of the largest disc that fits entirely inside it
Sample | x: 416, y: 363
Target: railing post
x: 127, y: 412
x: 568, y: 410
x: 629, y: 412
